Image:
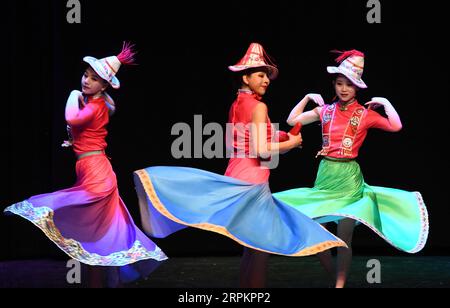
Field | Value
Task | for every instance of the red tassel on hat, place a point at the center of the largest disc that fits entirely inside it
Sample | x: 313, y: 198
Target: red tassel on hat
x: 268, y: 58
x: 345, y: 54
x: 126, y: 56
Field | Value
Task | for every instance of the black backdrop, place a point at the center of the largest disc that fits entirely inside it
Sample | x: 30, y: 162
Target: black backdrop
x: 184, y: 51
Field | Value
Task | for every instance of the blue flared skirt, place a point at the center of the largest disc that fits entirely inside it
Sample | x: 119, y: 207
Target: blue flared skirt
x: 173, y: 198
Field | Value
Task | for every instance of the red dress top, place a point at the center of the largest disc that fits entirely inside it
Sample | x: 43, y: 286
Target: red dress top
x: 89, y: 127
x: 344, y: 131
x: 245, y: 165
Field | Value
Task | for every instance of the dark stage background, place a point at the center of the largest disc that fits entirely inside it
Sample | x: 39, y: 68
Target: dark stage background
x: 184, y: 50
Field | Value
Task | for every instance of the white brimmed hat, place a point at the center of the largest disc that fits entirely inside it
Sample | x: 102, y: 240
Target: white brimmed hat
x: 255, y: 57
x: 351, y: 66
x: 107, y: 68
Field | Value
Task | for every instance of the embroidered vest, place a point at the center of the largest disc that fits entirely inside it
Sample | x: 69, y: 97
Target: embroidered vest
x: 348, y: 139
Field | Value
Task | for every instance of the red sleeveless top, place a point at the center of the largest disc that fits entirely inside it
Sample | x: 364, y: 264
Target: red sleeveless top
x: 245, y: 165
x: 89, y: 127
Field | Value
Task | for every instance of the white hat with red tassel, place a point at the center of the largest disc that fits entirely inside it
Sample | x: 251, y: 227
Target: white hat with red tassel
x: 107, y: 68
x: 351, y: 65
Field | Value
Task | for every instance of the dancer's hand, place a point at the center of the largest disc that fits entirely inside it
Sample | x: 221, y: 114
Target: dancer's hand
x: 296, y: 140
x: 66, y: 144
x: 80, y: 98
x: 316, y: 98
x: 77, y: 93
x: 395, y: 124
x: 376, y: 102
x: 281, y: 136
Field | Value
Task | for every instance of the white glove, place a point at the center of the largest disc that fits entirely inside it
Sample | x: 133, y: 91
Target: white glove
x: 316, y: 98
x: 110, y: 104
x: 66, y: 144
x: 394, y: 118
x: 379, y: 101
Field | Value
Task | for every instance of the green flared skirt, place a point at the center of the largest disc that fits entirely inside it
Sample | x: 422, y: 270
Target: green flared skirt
x: 398, y: 216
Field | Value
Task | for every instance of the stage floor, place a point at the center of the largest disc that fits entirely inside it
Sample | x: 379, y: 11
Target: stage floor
x: 223, y: 272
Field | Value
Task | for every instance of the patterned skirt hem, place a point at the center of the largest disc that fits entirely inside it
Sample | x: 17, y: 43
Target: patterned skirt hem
x: 42, y: 218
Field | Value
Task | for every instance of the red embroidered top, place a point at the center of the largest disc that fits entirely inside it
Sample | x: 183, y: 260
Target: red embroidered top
x: 344, y: 131
x: 89, y: 127
x: 245, y: 165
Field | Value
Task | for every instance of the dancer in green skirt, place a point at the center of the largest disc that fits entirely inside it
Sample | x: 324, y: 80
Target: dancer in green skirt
x: 340, y: 193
